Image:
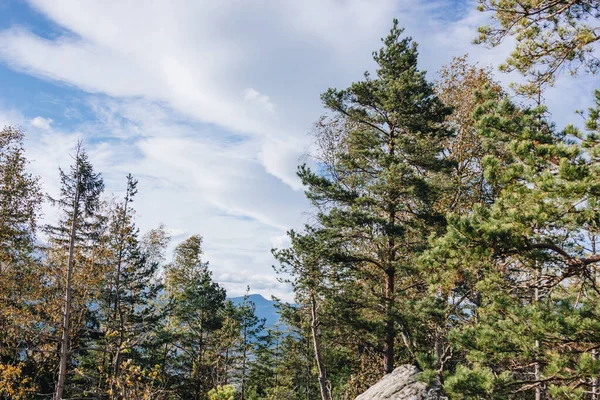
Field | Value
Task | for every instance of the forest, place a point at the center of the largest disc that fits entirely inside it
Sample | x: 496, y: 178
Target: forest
x: 453, y: 227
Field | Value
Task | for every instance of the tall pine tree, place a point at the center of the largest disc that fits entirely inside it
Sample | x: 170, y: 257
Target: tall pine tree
x: 71, y: 240
x: 376, y: 197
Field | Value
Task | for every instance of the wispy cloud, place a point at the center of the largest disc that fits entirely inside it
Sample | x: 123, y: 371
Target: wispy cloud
x: 209, y: 103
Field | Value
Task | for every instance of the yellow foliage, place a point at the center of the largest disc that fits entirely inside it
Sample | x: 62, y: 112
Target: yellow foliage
x: 226, y: 392
x: 13, y: 385
x: 136, y: 383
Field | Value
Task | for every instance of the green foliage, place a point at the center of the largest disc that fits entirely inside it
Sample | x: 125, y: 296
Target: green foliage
x: 376, y: 200
x: 551, y: 36
x: 226, y: 392
x: 470, y: 384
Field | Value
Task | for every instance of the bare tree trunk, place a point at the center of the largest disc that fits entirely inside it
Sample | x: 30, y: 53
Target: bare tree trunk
x: 314, y: 328
x: 390, y: 332
x: 118, y: 310
x: 244, y: 355
x: 390, y: 272
x: 536, y: 299
x: 64, y: 350
x: 595, y: 392
x: 595, y: 379
x: 225, y: 372
x: 536, y: 294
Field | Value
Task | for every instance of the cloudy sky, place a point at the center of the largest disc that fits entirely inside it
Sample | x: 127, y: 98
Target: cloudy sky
x: 210, y: 103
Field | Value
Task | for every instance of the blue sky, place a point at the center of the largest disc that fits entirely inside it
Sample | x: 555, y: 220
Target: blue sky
x: 210, y: 103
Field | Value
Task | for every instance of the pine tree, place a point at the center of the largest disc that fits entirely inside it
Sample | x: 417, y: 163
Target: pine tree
x: 551, y: 36
x: 535, y: 324
x: 305, y: 262
x: 79, y: 203
x: 195, y: 318
x: 21, y: 289
x: 20, y: 200
x: 128, y: 303
x: 251, y: 329
x: 226, y: 341
x: 376, y: 196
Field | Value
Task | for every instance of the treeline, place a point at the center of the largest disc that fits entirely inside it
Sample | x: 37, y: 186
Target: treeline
x: 455, y: 228
x: 90, y: 309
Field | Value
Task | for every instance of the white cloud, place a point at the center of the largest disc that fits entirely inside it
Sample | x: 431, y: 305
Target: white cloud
x: 208, y: 103
x: 41, y: 122
x: 281, y: 159
x: 280, y: 241
x: 252, y: 95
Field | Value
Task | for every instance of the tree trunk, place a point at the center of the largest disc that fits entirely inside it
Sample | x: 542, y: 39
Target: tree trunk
x: 118, y: 310
x: 595, y: 391
x: 390, y: 331
x: 536, y: 299
x: 390, y: 272
x: 64, y: 350
x: 314, y: 326
x: 244, y: 355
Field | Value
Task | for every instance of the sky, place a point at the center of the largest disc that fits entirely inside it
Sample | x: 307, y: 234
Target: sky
x: 210, y: 104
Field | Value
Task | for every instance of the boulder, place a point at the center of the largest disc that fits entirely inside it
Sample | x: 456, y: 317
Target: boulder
x: 402, y: 384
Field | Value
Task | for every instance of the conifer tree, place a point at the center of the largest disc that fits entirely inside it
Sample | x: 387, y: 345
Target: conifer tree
x: 251, y: 329
x: 20, y: 288
x: 79, y: 203
x: 551, y: 36
x: 196, y: 316
x: 20, y: 200
x: 535, y: 326
x: 128, y: 302
x: 377, y: 197
x: 305, y: 261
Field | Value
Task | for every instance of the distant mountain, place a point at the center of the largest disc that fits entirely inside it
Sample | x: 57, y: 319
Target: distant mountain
x: 264, y: 308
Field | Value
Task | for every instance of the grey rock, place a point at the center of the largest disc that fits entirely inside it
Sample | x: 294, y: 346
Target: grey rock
x: 402, y: 384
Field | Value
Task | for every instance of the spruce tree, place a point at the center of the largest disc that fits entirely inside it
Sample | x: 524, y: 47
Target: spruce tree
x: 128, y: 302
x: 71, y: 240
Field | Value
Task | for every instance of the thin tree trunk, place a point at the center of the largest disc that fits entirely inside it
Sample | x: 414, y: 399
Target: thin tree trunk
x: 314, y: 327
x: 595, y: 379
x: 595, y: 392
x: 536, y: 294
x: 536, y: 299
x: 64, y: 351
x: 118, y: 311
x: 390, y: 332
x: 225, y: 372
x: 244, y: 364
x: 390, y: 272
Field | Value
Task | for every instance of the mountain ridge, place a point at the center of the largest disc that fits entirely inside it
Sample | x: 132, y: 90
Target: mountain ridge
x: 264, y: 308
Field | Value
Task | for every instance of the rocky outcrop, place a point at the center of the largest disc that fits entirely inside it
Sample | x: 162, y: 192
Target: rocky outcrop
x: 402, y: 384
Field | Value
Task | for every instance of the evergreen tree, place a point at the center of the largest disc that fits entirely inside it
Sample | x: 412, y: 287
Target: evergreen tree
x: 376, y: 197
x: 251, y: 329
x: 226, y: 343
x: 21, y: 290
x: 196, y: 316
x: 305, y: 262
x: 71, y: 240
x: 534, y: 330
x: 551, y: 36
x: 128, y: 313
